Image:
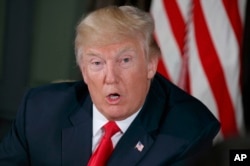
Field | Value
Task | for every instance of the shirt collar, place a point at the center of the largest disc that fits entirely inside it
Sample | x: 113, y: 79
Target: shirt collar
x: 99, y: 120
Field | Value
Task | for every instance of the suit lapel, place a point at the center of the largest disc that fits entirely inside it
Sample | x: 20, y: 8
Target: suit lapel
x: 131, y: 147
x: 139, y: 137
x: 77, y: 139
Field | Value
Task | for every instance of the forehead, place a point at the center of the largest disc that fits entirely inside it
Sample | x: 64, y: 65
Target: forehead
x: 114, y: 47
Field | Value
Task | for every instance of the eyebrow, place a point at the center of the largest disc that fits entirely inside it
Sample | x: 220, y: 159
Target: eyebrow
x: 120, y: 51
x: 91, y: 53
x: 126, y: 49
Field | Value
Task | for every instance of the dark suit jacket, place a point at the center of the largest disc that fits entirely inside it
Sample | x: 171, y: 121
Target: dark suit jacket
x: 54, y: 127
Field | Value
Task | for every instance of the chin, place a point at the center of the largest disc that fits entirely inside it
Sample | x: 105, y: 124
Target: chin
x: 116, y: 116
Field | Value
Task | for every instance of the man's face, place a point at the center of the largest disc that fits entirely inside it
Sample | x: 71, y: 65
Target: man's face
x: 118, y: 77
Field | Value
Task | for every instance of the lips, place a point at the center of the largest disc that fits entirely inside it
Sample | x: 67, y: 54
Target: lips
x: 113, y: 98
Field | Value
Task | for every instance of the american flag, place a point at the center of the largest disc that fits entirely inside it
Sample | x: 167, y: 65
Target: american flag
x: 201, y: 44
x: 139, y: 146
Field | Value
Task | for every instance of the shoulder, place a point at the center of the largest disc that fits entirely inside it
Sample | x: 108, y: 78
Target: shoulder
x: 54, y: 91
x: 53, y: 102
x: 186, y: 116
x: 55, y: 98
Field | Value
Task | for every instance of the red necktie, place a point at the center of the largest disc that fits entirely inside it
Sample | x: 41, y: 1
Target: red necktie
x: 105, y: 148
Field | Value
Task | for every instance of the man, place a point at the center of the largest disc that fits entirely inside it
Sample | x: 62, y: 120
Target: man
x: 156, y: 122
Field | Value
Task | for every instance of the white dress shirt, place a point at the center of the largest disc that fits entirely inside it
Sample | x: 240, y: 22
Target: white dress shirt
x: 99, y: 120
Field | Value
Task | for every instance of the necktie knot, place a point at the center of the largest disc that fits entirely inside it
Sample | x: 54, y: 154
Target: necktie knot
x: 110, y: 129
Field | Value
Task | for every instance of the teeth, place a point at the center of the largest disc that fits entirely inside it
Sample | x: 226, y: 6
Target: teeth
x: 114, y: 97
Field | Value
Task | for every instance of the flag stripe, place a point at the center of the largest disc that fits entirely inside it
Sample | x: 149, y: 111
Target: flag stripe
x: 212, y: 67
x: 233, y: 13
x: 179, y: 28
x: 177, y: 24
x: 167, y: 42
x: 242, y: 4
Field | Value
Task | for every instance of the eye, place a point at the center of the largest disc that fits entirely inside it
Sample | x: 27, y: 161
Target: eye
x: 96, y: 64
x: 126, y: 60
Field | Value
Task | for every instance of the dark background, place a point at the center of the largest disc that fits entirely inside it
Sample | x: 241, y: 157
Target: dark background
x: 37, y: 47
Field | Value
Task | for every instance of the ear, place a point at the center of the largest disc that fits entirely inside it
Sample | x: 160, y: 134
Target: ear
x: 152, y: 66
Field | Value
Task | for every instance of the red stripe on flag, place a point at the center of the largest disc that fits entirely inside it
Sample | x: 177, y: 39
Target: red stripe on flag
x: 214, y: 72
x: 178, y: 27
x: 176, y: 21
x: 232, y: 9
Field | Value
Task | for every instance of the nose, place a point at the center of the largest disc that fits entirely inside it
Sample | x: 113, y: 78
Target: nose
x: 111, y: 76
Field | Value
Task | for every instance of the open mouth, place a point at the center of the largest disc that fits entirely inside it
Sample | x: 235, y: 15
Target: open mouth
x: 113, y: 98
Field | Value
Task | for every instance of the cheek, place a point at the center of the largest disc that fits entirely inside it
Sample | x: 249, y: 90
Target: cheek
x: 84, y: 74
x: 137, y: 81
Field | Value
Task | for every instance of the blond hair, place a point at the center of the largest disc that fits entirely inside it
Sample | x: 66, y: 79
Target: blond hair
x: 112, y: 24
